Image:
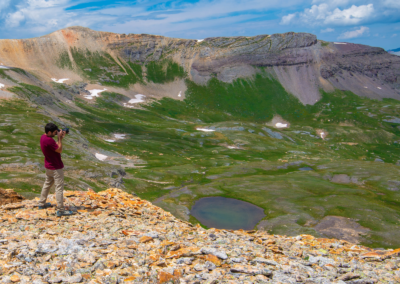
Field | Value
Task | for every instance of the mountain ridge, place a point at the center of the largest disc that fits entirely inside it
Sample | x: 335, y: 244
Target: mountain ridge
x: 395, y: 51
x: 291, y: 58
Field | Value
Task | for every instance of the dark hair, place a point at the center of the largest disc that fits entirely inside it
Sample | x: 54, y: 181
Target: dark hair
x: 50, y: 127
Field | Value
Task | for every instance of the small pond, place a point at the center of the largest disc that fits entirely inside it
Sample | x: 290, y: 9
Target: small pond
x: 227, y: 213
x: 306, y: 169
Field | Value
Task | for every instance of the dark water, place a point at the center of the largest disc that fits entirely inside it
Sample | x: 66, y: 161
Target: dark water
x: 306, y: 169
x: 227, y: 213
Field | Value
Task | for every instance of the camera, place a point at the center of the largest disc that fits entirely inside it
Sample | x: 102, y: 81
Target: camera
x: 66, y: 130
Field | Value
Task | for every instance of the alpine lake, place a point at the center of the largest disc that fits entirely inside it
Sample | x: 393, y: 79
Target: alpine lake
x: 227, y: 213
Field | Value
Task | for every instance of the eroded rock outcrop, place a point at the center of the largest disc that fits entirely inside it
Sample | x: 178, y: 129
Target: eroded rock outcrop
x: 116, y: 237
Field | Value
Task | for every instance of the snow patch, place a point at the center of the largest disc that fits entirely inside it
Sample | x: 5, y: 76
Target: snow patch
x: 205, y: 129
x: 200, y: 40
x: 180, y: 94
x: 2, y: 85
x: 116, y: 137
x: 94, y: 93
x: 281, y: 125
x: 340, y: 43
x: 60, y: 81
x: 3, y: 67
x: 101, y: 157
x: 138, y: 99
x: 119, y: 136
x: 233, y: 147
x: 379, y: 88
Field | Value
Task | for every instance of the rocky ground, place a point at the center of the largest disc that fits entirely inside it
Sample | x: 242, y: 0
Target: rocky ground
x: 115, y: 237
x: 9, y: 196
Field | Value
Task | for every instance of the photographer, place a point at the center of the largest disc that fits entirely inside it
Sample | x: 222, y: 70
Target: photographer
x: 54, y: 167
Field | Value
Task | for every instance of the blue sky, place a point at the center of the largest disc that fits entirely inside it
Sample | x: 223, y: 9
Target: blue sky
x: 371, y: 22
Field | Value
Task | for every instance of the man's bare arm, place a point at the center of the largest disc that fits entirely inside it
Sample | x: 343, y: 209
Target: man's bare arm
x: 59, y: 142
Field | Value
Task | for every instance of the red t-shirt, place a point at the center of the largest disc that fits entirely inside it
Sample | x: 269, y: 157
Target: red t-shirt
x: 52, y: 159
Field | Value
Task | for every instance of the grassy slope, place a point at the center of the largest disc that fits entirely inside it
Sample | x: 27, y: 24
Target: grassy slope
x: 101, y: 66
x: 164, y: 71
x: 164, y: 135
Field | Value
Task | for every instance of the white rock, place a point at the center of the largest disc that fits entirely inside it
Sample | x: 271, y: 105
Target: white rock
x: 238, y: 259
x: 218, y: 253
x: 209, y: 265
x: 265, y: 261
x: 199, y: 267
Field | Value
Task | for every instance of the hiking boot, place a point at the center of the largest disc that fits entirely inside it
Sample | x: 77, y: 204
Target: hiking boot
x: 64, y: 213
x: 47, y: 205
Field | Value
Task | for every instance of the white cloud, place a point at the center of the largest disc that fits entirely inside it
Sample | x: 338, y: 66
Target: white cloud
x: 43, y: 3
x: 4, y: 4
x: 394, y: 35
x: 287, y: 19
x: 351, y: 16
x: 392, y: 3
x: 355, y: 33
x: 329, y: 15
x: 335, y: 3
x: 327, y: 30
x: 14, y: 19
x: 37, y: 17
x: 204, y: 18
x: 33, y: 17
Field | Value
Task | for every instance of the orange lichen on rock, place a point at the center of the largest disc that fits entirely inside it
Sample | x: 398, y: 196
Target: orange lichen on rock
x: 107, y: 241
x: 8, y: 196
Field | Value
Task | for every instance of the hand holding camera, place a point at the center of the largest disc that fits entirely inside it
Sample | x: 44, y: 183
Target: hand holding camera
x: 62, y: 132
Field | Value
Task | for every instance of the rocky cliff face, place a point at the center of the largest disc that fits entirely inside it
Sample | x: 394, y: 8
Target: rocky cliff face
x: 118, y: 238
x: 299, y: 61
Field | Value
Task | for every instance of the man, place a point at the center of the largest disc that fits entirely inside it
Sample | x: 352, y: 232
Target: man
x: 54, y: 168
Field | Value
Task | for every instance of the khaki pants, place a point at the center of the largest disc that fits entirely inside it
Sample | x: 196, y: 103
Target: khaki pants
x: 57, y: 177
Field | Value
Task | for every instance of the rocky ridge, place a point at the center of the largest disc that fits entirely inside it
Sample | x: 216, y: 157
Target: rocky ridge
x: 116, y: 237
